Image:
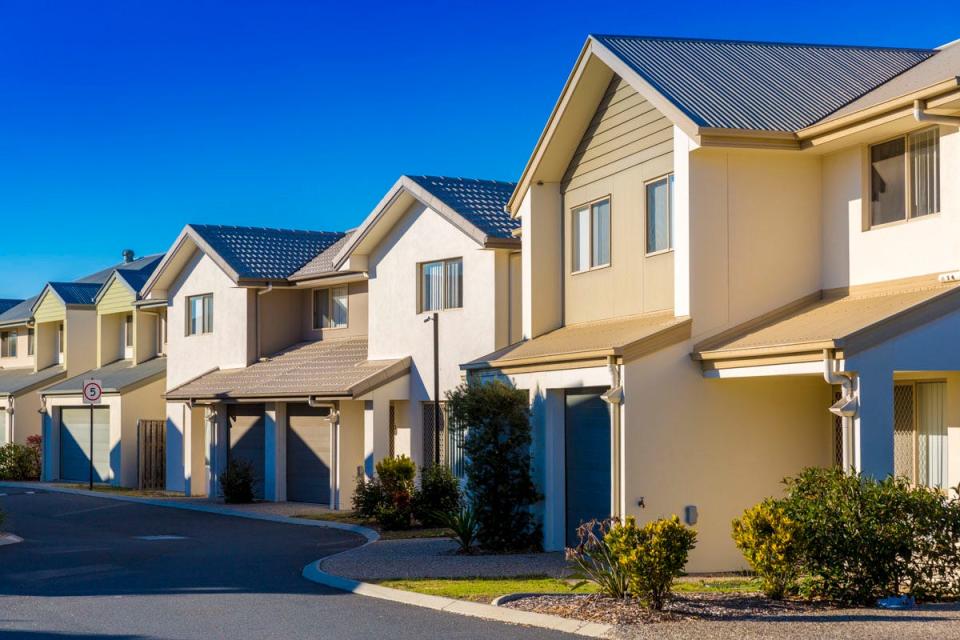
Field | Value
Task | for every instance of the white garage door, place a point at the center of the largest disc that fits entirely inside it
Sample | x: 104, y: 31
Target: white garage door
x: 75, y: 444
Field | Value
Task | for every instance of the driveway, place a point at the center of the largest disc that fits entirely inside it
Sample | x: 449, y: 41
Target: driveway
x: 99, y: 568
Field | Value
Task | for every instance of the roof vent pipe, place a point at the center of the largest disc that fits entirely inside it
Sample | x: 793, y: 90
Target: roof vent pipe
x: 920, y: 115
x: 127, y: 256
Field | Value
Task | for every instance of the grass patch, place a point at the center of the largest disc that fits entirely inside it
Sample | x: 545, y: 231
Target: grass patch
x: 717, y: 585
x: 347, y: 517
x: 486, y: 589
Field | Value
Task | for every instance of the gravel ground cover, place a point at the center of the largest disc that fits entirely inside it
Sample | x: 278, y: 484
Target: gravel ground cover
x: 438, y: 558
x: 703, y: 616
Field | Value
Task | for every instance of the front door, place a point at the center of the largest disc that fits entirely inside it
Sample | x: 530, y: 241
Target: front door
x: 587, y: 441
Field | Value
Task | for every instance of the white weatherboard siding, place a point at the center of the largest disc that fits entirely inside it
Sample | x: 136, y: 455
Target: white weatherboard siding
x: 853, y: 255
x: 397, y: 330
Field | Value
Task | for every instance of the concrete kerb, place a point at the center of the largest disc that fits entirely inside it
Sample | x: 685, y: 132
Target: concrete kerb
x: 369, y: 534
x: 314, y: 573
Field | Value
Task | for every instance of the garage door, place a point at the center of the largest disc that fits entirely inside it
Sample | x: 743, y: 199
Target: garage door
x: 587, y: 444
x: 245, y: 423
x: 308, y: 454
x: 75, y: 444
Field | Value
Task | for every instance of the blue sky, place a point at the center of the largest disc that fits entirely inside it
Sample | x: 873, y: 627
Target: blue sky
x: 121, y: 121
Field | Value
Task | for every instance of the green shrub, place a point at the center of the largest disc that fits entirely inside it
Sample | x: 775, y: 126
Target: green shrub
x: 437, y: 497
x: 855, y: 539
x: 236, y: 482
x: 767, y: 538
x: 396, y: 477
x: 497, y: 446
x: 463, y: 523
x: 19, y: 462
x: 368, y: 497
x: 594, y: 561
x: 652, y: 555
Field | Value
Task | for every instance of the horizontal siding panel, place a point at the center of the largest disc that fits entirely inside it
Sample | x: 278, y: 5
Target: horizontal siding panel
x: 116, y: 299
x: 622, y: 123
x: 634, y: 153
x: 51, y: 309
x: 651, y: 154
x: 649, y: 134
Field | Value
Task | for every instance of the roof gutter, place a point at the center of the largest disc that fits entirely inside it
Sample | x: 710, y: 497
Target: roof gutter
x: 920, y: 114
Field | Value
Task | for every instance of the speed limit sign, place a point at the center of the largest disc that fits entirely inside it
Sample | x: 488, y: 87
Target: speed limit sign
x: 92, y: 390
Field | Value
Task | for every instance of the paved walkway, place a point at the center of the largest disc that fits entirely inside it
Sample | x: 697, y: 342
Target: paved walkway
x: 437, y: 558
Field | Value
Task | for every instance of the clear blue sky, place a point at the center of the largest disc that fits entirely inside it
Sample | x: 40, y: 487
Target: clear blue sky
x: 121, y: 121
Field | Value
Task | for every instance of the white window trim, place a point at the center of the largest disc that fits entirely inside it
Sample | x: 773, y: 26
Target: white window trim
x: 421, y: 307
x: 868, y: 224
x: 573, y: 212
x: 646, y: 214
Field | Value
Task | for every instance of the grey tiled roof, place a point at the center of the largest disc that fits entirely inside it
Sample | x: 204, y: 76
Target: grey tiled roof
x: 18, y: 313
x: 323, y: 263
x: 147, y: 262
x: 265, y: 254
x: 481, y: 202
x: 76, y: 292
x: 759, y: 85
x: 6, y: 305
x: 14, y: 381
x: 323, y: 368
x: 114, y: 377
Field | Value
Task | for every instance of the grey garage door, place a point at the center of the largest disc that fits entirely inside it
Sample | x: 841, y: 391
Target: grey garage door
x: 75, y: 444
x: 587, y: 445
x: 308, y: 454
x: 245, y: 423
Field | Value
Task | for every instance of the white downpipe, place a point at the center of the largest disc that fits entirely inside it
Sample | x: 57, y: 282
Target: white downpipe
x: 847, y: 407
x: 614, y: 397
x: 920, y: 115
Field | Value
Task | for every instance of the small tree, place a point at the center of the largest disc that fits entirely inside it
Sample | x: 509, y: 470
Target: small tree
x: 499, y: 480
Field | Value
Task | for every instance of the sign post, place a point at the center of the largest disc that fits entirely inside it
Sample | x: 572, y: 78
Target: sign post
x: 92, y: 392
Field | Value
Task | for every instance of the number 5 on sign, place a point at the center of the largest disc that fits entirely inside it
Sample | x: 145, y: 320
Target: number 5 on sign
x: 92, y: 391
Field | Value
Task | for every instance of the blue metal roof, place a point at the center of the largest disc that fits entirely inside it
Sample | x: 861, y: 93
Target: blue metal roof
x: 265, y: 254
x: 6, y: 305
x: 76, y: 292
x: 137, y: 273
x: 100, y: 277
x: 481, y: 202
x: 765, y: 86
x: 18, y: 313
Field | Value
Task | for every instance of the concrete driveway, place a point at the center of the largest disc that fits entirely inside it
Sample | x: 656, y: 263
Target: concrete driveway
x: 99, y: 568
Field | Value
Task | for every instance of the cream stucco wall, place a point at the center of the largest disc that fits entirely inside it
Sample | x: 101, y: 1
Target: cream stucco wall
x: 229, y: 345
x: 357, y: 315
x: 397, y: 330
x: 26, y: 420
x: 856, y: 255
x: 542, y: 259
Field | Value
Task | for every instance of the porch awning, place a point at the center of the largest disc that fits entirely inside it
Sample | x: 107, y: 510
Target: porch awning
x: 326, y: 368
x: 590, y: 343
x: 116, y: 377
x: 16, y: 381
x: 845, y: 320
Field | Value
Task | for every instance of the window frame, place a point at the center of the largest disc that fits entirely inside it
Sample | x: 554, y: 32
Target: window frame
x: 914, y: 384
x: 669, y: 178
x: 128, y: 321
x: 206, y: 319
x: 444, y: 306
x: 31, y: 341
x: 574, y: 238
x: 6, y: 352
x: 317, y: 321
x: 908, y: 179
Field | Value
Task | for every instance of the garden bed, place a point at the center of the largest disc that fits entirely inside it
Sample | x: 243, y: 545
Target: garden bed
x: 347, y: 517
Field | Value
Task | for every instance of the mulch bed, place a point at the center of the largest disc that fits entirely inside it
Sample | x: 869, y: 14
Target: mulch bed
x: 686, y: 606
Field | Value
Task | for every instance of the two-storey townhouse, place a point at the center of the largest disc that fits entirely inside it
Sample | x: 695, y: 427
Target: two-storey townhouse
x: 19, y: 381
x: 129, y: 363
x: 352, y: 379
x: 738, y: 261
x: 230, y: 309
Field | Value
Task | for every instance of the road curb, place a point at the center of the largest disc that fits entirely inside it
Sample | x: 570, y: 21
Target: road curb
x: 314, y: 573
x: 369, y: 534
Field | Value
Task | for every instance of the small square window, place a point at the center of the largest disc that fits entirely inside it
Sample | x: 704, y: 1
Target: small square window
x: 905, y: 177
x: 8, y: 344
x: 200, y: 314
x: 441, y: 285
x: 330, y: 308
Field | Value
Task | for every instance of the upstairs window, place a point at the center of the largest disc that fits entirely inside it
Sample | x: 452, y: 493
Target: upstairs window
x: 660, y: 215
x: 441, y: 285
x: 8, y: 344
x: 31, y: 342
x: 905, y: 177
x: 200, y: 314
x: 330, y: 308
x: 591, y: 236
x: 60, y: 338
x: 128, y: 330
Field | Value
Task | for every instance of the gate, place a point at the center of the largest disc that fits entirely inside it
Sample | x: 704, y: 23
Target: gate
x: 152, y: 441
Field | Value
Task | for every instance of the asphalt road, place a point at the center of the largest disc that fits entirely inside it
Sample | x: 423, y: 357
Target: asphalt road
x: 92, y: 568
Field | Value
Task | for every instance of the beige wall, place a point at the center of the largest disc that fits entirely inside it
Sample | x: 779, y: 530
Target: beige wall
x: 755, y: 237
x: 542, y: 259
x: 80, y: 337
x: 27, y: 420
x: 351, y: 450
x: 357, y: 314
x: 111, y: 337
x: 143, y: 403
x: 627, y: 144
x: 854, y: 254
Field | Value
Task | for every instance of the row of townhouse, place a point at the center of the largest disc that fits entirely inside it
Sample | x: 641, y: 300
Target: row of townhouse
x: 723, y: 262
